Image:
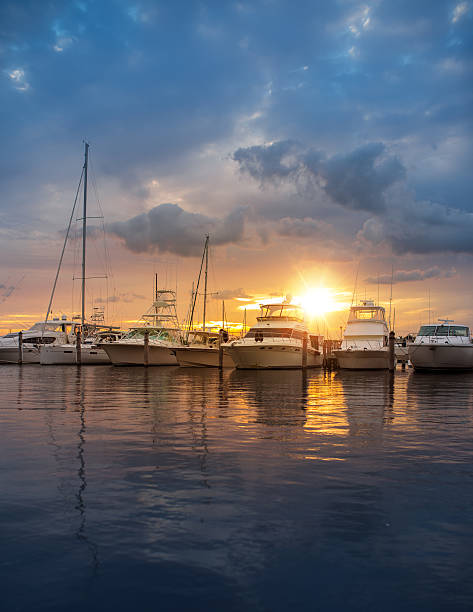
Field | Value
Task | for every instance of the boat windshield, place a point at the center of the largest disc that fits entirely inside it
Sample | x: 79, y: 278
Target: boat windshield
x: 366, y: 314
x: 278, y: 311
x: 444, y: 330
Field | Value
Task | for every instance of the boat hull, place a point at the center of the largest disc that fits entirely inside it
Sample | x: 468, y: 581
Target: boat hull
x: 441, y: 357
x: 195, y: 357
x: 12, y: 354
x: 261, y: 356
x: 362, y: 360
x: 67, y: 355
x: 122, y: 354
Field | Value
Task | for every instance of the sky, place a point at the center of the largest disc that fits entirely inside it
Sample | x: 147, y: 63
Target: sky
x: 319, y: 144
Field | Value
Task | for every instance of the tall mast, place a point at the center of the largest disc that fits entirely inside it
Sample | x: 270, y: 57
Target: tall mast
x: 156, y: 293
x: 206, y: 248
x: 84, y: 230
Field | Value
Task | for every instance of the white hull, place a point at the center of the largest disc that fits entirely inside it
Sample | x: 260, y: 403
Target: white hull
x: 261, y: 356
x: 196, y: 357
x: 67, y: 355
x: 363, y: 360
x: 121, y: 353
x: 441, y: 357
x: 11, y: 354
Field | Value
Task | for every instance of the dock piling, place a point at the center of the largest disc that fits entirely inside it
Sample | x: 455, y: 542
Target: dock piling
x: 79, y: 346
x: 20, y: 347
x: 146, y: 349
x: 392, y: 358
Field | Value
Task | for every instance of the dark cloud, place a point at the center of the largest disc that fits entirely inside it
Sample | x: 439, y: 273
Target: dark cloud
x: 403, y: 276
x: 170, y: 228
x: 412, y: 226
x: 356, y: 180
x: 302, y: 228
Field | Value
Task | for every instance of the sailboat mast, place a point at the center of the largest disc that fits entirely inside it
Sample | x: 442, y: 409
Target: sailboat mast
x: 156, y: 292
x: 205, y: 279
x: 84, y: 230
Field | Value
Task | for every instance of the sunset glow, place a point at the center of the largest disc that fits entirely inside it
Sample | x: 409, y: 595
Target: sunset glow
x: 319, y: 301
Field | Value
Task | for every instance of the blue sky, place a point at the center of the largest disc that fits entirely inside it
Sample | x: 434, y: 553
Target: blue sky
x: 301, y: 135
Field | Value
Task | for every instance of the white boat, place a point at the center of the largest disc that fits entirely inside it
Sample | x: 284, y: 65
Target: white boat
x: 202, y: 351
x: 365, y: 340
x: 161, y: 325
x: 90, y: 351
x: 52, y: 333
x: 442, y: 347
x: 276, y: 341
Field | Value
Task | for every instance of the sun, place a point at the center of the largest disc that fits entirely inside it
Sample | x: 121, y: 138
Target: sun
x: 317, y: 302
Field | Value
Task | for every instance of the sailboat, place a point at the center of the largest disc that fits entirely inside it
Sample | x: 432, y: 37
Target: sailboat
x: 66, y: 352
x: 160, y: 325
x: 201, y: 347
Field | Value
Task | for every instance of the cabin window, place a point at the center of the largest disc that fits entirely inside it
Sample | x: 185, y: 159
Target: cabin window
x: 366, y: 313
x: 260, y: 333
x: 427, y: 330
x: 458, y: 330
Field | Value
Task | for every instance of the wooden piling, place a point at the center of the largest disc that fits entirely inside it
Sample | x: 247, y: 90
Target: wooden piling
x: 220, y: 349
x: 79, y: 346
x: 304, y: 352
x: 20, y: 347
x: 392, y: 357
x: 146, y: 349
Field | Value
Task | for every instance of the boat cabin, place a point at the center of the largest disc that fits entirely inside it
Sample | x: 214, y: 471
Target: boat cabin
x: 444, y: 330
x: 367, y: 311
x: 281, y: 312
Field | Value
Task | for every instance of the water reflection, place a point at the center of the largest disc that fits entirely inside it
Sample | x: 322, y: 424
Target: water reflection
x: 184, y: 486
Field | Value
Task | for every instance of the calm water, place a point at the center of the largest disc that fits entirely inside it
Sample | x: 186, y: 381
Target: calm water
x: 174, y: 489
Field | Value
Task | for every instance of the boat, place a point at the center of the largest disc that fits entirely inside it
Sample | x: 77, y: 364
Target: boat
x: 159, y: 325
x: 442, y: 346
x: 90, y: 351
x: 202, y: 351
x: 201, y: 347
x: 50, y: 333
x: 276, y: 341
x: 365, y: 340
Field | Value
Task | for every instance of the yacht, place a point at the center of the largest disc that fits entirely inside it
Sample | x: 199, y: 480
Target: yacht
x: 161, y: 324
x: 442, y: 347
x: 50, y: 333
x: 90, y: 351
x: 202, y: 351
x: 276, y: 341
x: 365, y: 340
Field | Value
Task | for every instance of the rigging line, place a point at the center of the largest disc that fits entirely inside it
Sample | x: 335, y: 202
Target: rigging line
x: 62, y: 252
x: 356, y: 281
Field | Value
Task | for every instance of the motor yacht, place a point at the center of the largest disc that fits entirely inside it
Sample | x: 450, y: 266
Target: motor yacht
x: 51, y: 333
x: 442, y: 346
x: 276, y: 341
x: 90, y: 351
x: 365, y: 340
x: 161, y: 325
x: 202, y: 351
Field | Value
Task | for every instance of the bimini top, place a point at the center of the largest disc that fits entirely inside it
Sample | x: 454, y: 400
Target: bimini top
x: 367, y: 311
x: 281, y: 312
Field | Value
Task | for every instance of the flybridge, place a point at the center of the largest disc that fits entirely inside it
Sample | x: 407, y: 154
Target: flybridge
x: 288, y: 312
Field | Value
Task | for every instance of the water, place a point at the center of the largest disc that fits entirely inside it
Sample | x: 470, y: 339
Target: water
x: 175, y: 489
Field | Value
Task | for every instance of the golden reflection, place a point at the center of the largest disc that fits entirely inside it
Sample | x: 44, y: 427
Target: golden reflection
x: 326, y: 407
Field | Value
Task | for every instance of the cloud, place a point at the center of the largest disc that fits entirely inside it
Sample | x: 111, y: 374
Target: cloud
x: 122, y: 297
x: 231, y: 294
x: 18, y: 78
x: 459, y: 11
x: 412, y: 226
x: 356, y: 180
x: 403, y: 276
x: 302, y: 228
x: 170, y: 228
